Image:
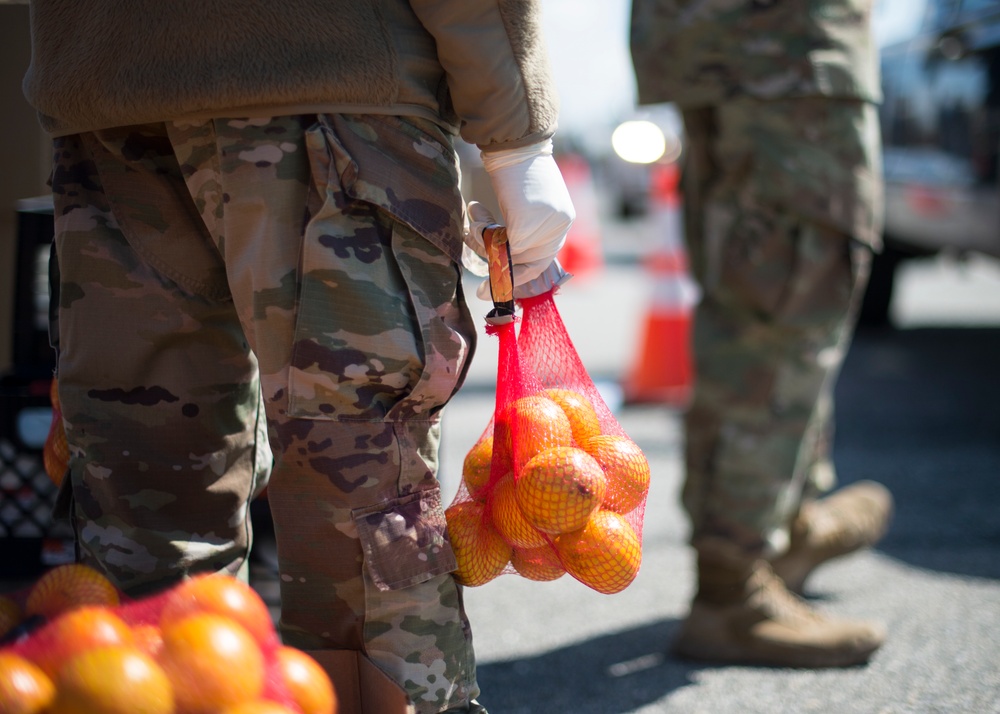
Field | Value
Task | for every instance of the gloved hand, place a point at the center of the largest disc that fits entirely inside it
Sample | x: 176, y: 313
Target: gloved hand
x: 537, y: 211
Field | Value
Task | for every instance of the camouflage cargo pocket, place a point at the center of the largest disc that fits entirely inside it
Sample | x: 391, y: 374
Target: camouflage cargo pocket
x: 403, y: 540
x: 381, y: 329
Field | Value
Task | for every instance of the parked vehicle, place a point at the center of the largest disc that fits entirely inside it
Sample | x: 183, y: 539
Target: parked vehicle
x: 940, y: 122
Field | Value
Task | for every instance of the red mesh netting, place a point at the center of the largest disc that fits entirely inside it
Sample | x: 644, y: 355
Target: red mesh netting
x: 553, y: 484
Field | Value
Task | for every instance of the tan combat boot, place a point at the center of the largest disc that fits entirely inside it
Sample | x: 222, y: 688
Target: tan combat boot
x: 855, y: 517
x: 743, y: 614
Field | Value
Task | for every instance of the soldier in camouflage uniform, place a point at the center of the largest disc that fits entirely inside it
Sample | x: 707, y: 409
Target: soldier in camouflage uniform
x: 247, y: 287
x: 783, y: 206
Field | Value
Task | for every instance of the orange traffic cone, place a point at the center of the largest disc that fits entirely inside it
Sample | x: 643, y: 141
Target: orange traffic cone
x: 581, y: 255
x: 664, y: 371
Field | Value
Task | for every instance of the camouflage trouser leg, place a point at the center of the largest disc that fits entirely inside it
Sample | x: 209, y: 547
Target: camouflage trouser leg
x: 159, y: 390
x: 362, y: 335
x: 780, y: 292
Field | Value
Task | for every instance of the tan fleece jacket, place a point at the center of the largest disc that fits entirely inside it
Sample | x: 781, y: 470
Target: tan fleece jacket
x: 475, y: 66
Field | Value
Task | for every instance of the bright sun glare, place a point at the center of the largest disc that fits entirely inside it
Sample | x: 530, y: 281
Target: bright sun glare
x: 639, y: 142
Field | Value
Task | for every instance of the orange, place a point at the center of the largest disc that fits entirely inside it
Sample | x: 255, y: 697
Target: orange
x: 68, y: 586
x: 24, y: 688
x: 259, y: 706
x: 212, y: 662
x: 541, y: 564
x: 10, y: 615
x: 603, y: 555
x: 580, y: 412
x: 55, y: 452
x: 481, y: 552
x: 307, y: 683
x: 476, y: 467
x: 112, y: 680
x: 559, y: 489
x: 536, y: 423
x: 501, y: 442
x: 148, y: 638
x: 508, y: 519
x: 222, y: 595
x: 626, y: 468
x: 76, y: 631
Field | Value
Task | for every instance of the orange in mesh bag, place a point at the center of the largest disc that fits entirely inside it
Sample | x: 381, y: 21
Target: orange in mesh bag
x: 553, y: 485
x: 207, y: 645
x: 55, y: 453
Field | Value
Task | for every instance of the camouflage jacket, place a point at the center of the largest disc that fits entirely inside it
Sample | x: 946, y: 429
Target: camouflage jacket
x: 701, y: 52
x: 475, y: 66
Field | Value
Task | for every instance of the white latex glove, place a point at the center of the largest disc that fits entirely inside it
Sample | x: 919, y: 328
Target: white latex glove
x: 536, y: 207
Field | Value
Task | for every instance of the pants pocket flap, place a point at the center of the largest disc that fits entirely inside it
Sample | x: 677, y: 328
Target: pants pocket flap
x: 404, y: 540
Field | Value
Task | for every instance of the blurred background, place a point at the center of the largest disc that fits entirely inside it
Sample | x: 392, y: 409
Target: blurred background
x: 940, y: 122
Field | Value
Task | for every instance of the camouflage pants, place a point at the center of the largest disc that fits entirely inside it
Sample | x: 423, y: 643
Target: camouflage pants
x: 780, y: 198
x: 222, y: 277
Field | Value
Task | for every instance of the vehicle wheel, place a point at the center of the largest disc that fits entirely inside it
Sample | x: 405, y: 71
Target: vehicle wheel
x: 878, y: 295
x: 630, y: 208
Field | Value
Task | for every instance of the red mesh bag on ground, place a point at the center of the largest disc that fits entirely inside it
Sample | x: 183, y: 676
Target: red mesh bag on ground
x: 553, y: 485
x: 205, y: 645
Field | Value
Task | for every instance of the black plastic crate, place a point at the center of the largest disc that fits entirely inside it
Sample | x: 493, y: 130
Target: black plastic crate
x: 30, y: 539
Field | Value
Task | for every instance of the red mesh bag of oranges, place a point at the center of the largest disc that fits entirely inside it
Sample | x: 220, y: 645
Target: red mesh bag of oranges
x: 553, y: 485
x: 72, y: 644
